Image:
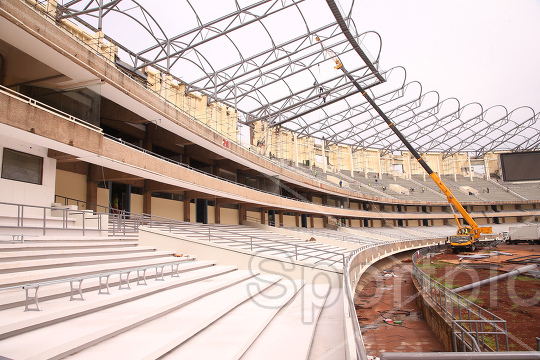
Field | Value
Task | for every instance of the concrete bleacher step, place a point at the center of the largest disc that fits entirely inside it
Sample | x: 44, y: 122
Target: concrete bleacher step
x: 59, y: 309
x: 292, y: 328
x: 16, y: 297
x: 30, y: 253
x: 188, y: 321
x: 60, y: 245
x: 25, y: 277
x: 328, y: 338
x: 7, y: 220
x: 231, y: 335
x: 73, y: 335
x: 58, y: 262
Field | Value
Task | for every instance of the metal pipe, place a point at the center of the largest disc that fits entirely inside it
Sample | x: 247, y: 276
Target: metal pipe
x: 495, y: 278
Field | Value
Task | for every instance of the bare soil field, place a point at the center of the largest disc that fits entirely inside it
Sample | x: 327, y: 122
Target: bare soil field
x: 515, y: 299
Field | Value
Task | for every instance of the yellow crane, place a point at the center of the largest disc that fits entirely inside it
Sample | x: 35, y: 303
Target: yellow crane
x: 467, y: 235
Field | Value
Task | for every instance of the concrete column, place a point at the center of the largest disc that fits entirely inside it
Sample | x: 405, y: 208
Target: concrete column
x: 486, y: 167
x: 91, y: 195
x: 409, y: 170
x: 281, y: 152
x: 310, y: 150
x: 380, y: 164
x: 297, y: 219
x: 352, y: 161
x: 242, y: 214
x: 166, y: 86
x: 187, y: 209
x: 454, y: 167
x: 295, y: 137
x: 365, y: 164
x: 217, y: 213
x: 263, y: 217
x: 147, y: 202
x: 439, y: 166
x: 186, y: 159
x: 470, y: 167
x: 323, y: 156
x: 51, y: 7
x: 280, y: 218
x: 311, y: 221
x: 91, y: 188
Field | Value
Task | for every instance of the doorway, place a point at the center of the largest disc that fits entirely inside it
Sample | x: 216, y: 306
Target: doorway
x: 201, y: 208
x: 120, y: 196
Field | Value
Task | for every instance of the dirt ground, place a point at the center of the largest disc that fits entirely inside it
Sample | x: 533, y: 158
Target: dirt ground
x: 515, y: 299
x: 392, y: 297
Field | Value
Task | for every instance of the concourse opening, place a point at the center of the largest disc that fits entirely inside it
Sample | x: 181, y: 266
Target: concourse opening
x: 201, y: 207
x: 119, y: 197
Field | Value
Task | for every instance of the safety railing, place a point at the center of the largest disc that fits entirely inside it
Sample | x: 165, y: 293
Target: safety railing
x: 66, y: 201
x: 469, y: 321
x: 238, y: 238
x: 122, y: 223
x: 48, y: 108
x: 319, y: 231
x: 355, y: 264
x: 47, y: 218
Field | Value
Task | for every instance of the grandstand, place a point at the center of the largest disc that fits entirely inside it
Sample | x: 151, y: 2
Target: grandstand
x: 161, y: 180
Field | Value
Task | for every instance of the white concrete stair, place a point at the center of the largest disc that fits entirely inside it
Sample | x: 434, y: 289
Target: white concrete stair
x: 231, y: 335
x: 58, y: 262
x: 290, y: 334
x: 16, y: 297
x: 187, y: 322
x: 73, y: 335
x: 30, y: 253
x: 14, y: 322
x: 26, y: 277
x: 328, y: 339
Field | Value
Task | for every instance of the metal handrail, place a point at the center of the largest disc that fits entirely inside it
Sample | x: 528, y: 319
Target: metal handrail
x: 208, y: 230
x: 346, y: 238
x: 48, y: 108
x: 65, y: 217
x: 77, y: 202
x: 444, y: 297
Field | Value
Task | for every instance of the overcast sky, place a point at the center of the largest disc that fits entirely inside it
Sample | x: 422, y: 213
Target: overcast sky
x: 486, y: 51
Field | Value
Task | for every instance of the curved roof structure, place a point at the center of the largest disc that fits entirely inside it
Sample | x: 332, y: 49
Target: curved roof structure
x: 272, y: 60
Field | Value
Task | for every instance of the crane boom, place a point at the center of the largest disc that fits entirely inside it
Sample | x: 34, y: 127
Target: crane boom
x: 472, y: 231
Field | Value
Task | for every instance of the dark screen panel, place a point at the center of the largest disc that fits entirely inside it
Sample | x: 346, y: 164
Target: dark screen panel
x: 521, y: 166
